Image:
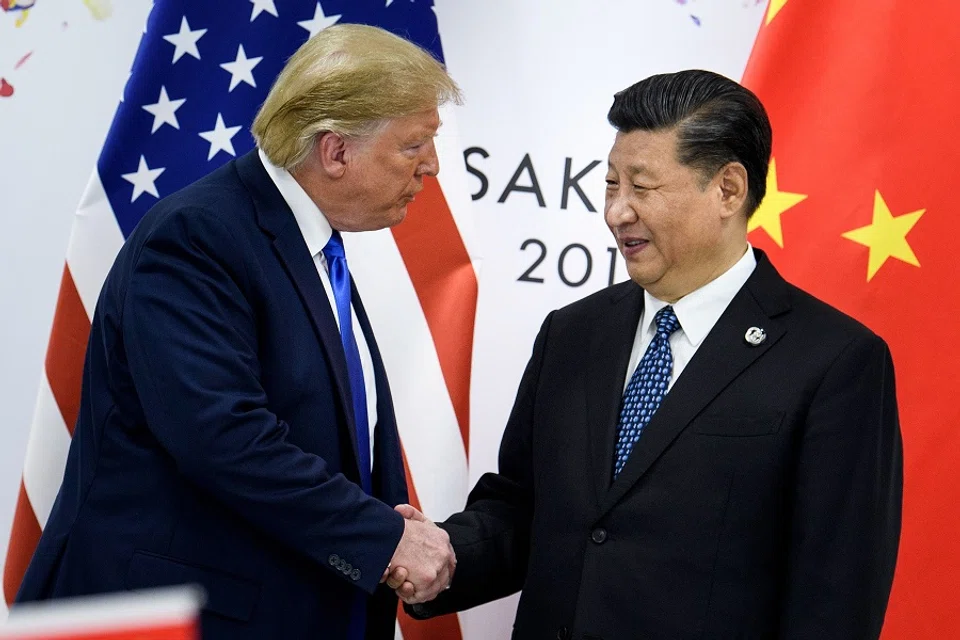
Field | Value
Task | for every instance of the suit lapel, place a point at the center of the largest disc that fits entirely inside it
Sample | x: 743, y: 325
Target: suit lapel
x: 610, y: 345
x: 276, y: 219
x: 389, y: 478
x: 723, y: 356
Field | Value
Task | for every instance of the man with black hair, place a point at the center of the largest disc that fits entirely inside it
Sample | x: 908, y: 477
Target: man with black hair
x: 704, y: 451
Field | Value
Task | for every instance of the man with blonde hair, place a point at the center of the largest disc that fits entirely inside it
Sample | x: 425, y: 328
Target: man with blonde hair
x: 236, y: 428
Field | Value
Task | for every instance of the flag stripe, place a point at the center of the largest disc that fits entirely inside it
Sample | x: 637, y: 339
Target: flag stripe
x: 95, y: 241
x: 453, y: 179
x: 46, y: 454
x: 23, y: 540
x: 65, y: 352
x: 442, y: 628
x: 443, y: 276
x: 446, y: 627
x: 425, y: 416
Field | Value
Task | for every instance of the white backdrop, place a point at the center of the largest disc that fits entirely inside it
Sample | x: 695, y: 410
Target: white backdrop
x: 51, y: 130
x: 539, y: 76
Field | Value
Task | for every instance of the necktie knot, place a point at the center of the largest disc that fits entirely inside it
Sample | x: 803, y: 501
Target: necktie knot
x: 334, y: 248
x: 667, y: 321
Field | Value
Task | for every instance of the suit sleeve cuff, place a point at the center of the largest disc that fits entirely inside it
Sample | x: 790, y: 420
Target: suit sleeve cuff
x: 365, y: 573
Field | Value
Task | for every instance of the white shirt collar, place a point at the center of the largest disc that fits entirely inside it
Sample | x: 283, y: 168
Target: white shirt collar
x: 699, y: 310
x: 313, y: 224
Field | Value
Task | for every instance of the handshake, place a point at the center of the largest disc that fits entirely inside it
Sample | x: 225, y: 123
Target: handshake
x: 424, y: 561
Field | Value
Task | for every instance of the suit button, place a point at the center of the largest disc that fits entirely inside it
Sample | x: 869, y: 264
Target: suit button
x: 563, y: 633
x: 347, y: 568
x: 355, y: 575
x: 599, y: 535
x: 334, y: 560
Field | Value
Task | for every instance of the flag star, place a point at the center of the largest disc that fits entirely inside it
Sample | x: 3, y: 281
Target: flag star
x: 185, y: 41
x: 241, y: 69
x: 319, y: 22
x: 259, y: 6
x: 143, y: 180
x: 774, y: 204
x: 886, y: 236
x: 220, y: 138
x: 164, y: 111
x: 774, y: 9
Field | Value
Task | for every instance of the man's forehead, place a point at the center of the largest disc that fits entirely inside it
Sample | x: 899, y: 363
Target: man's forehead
x: 630, y: 166
x: 642, y: 151
x: 416, y: 124
x: 632, y: 163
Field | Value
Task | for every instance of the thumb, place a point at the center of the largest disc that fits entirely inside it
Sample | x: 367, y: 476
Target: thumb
x: 410, y: 513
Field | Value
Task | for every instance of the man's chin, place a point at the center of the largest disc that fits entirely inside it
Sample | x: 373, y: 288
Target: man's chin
x: 385, y: 220
x: 643, y: 276
x: 398, y: 215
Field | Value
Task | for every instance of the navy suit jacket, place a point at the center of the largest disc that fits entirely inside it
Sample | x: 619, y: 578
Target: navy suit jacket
x: 215, y: 442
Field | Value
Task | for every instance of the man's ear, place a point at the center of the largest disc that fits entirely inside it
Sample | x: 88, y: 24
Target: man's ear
x: 330, y: 153
x: 733, y: 182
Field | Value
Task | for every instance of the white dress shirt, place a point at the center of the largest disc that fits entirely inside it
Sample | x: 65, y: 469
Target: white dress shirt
x: 316, y: 233
x: 697, y: 312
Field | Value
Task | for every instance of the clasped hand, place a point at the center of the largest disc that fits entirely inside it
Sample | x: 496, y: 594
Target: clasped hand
x: 424, y: 561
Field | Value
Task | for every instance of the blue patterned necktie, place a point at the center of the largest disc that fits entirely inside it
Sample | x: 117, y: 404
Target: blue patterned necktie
x: 647, y: 387
x: 340, y: 282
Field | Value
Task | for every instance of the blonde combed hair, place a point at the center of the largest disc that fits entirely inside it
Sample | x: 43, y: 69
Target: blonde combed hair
x: 347, y: 79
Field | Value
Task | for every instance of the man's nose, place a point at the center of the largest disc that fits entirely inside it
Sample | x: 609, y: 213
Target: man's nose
x: 430, y: 165
x: 617, y: 211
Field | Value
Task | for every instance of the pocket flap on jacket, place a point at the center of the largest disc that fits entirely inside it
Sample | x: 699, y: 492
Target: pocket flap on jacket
x: 227, y: 595
x: 736, y: 425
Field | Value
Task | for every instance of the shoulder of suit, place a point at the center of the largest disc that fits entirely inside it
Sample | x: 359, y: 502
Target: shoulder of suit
x: 214, y: 216
x: 218, y: 196
x: 601, y: 300
x: 812, y: 314
x: 802, y: 312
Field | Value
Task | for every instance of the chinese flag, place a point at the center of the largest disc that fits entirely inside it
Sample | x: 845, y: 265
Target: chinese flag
x: 863, y: 211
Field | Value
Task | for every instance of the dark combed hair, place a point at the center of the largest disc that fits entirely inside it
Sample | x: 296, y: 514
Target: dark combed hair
x: 717, y: 121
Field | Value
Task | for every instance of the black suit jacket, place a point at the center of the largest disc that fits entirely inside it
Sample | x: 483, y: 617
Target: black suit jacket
x: 215, y: 441
x: 762, y: 500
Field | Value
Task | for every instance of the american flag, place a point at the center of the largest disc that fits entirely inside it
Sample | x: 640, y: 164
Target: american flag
x: 200, y: 74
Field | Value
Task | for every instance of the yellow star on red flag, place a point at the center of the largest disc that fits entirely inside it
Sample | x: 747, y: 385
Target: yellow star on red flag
x: 775, y: 203
x: 773, y: 9
x: 886, y: 236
